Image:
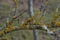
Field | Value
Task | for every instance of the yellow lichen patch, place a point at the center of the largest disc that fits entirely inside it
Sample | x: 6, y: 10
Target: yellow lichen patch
x: 56, y: 16
x: 22, y: 26
x: 7, y: 30
x: 48, y: 25
x: 3, y: 39
x: 1, y: 32
x: 57, y: 24
x: 14, y: 17
x: 12, y: 28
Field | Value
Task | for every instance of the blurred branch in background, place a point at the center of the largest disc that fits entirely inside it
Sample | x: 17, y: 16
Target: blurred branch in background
x: 31, y: 14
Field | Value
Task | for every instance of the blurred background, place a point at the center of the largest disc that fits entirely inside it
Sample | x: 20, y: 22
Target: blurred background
x: 7, y: 9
